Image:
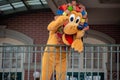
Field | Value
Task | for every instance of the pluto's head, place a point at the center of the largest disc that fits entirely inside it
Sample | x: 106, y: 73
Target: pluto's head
x: 72, y: 26
x: 71, y: 29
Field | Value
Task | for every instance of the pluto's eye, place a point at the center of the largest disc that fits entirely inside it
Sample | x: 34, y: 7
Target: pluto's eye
x: 78, y: 19
x: 72, y: 17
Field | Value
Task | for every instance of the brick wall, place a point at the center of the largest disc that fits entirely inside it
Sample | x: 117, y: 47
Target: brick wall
x: 35, y: 24
x: 111, y: 30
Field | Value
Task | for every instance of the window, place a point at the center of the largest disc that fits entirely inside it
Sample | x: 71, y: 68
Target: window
x: 74, y: 60
x: 11, y: 59
x: 93, y: 57
x: 11, y: 62
x: 11, y: 56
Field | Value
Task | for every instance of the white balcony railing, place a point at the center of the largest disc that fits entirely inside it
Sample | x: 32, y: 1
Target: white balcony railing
x: 96, y: 62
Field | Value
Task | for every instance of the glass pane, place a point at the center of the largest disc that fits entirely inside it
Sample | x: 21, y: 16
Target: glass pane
x: 7, y: 52
x: 93, y: 54
x: 69, y: 61
x: 97, y: 64
x: 16, y: 63
x: 87, y: 63
x: 11, y: 75
x: 88, y: 55
x: 11, y: 56
x: 44, y: 1
x: 16, y: 54
x: 33, y: 2
x: 98, y: 55
x: 6, y: 63
x: 88, y: 52
x: 76, y: 62
x: 6, y: 55
x: 5, y: 7
x: 98, y: 52
x: 18, y: 4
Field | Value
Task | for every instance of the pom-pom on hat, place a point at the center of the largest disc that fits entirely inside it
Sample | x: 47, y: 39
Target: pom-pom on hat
x: 73, y: 6
x: 65, y: 10
x: 63, y: 7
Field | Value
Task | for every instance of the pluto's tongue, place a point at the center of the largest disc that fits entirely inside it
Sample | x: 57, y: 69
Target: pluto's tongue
x: 69, y: 38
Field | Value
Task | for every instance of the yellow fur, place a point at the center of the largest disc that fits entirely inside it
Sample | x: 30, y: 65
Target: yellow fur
x: 51, y: 60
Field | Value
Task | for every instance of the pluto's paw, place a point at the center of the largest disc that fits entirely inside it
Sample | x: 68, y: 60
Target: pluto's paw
x: 77, y: 45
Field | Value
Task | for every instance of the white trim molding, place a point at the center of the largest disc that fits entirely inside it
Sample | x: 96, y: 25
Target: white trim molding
x: 102, y: 37
x: 7, y: 33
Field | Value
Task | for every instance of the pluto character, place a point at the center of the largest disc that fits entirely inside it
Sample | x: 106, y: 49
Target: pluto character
x: 67, y: 29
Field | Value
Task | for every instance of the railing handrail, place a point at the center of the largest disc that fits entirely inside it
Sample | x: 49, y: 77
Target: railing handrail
x: 60, y: 45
